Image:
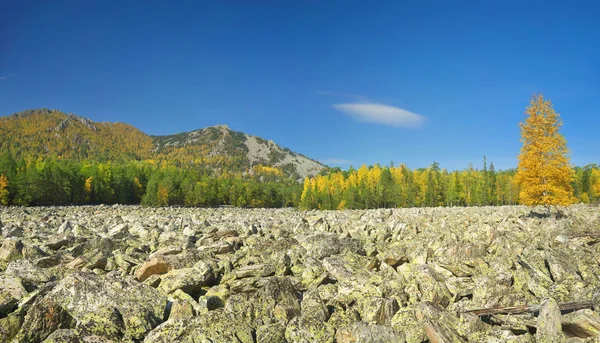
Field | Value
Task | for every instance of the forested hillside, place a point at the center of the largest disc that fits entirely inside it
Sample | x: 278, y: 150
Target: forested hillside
x: 51, y: 158
x: 44, y: 132
x: 214, y: 150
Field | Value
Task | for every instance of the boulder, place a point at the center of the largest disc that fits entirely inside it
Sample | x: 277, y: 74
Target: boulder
x: 110, y: 306
x: 273, y: 333
x: 214, y: 326
x: 11, y: 249
x: 583, y: 323
x: 364, y: 333
x: 549, y: 326
x: 31, y: 275
x: 189, y: 280
x: 11, y: 292
x: 439, y: 326
x: 309, y: 330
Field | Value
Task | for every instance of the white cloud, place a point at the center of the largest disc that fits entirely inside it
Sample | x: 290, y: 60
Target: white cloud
x: 336, y: 161
x: 6, y: 77
x: 382, y: 114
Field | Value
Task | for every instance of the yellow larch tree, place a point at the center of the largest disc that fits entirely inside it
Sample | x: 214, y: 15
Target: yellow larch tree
x: 138, y: 188
x: 3, y: 190
x: 544, y: 174
x: 596, y: 182
x: 87, y: 188
x: 162, y: 196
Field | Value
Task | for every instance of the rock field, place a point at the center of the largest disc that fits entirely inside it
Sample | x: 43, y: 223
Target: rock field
x: 134, y: 274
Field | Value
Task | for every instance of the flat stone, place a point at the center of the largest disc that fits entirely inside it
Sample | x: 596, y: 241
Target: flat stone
x: 583, y: 323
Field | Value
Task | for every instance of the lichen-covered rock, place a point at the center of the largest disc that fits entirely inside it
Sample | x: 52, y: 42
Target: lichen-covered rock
x: 11, y: 292
x: 405, y: 321
x: 549, y: 326
x: 117, y: 273
x: 377, y: 310
x: 583, y: 323
x: 321, y: 245
x: 189, y: 280
x: 313, y: 307
x: 273, y: 300
x: 439, y: 326
x: 11, y: 249
x: 63, y: 336
x: 255, y: 270
x: 215, y: 326
x: 44, y: 317
x: 309, y: 330
x: 110, y: 306
x: 31, y: 275
x: 363, y: 333
x: 10, y: 326
x: 273, y: 333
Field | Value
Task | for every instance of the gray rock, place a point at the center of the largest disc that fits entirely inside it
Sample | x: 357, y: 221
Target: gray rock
x: 31, y: 275
x: 307, y: 330
x: 63, y: 336
x: 262, y: 270
x: 439, y: 326
x: 11, y: 249
x: 583, y: 323
x: 364, y: 333
x: 109, y: 274
x: 214, y: 326
x: 189, y: 280
x: 549, y: 326
x: 378, y: 310
x: 110, y: 306
x: 11, y: 292
x: 274, y: 333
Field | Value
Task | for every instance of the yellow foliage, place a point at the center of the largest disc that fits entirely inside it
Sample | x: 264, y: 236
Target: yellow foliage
x: 138, y: 188
x: 260, y: 169
x: 585, y: 198
x: 3, y: 190
x: 363, y: 173
x: 321, y: 183
x: 373, y: 176
x: 544, y: 174
x: 88, y: 185
x: 257, y: 203
x: 596, y: 183
x: 52, y: 132
x: 162, y: 196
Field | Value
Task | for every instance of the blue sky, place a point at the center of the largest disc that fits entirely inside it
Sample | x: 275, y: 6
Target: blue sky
x: 346, y: 82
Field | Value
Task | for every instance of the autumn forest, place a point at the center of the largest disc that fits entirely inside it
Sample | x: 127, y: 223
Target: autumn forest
x: 50, y: 158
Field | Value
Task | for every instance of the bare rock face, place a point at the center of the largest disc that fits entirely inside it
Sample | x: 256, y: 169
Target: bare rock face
x: 134, y: 274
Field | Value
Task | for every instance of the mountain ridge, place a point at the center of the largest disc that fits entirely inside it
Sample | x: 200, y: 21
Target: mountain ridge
x: 217, y: 148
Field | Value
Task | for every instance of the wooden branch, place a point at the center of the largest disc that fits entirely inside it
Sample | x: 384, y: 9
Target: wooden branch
x: 564, y: 307
x: 581, y: 235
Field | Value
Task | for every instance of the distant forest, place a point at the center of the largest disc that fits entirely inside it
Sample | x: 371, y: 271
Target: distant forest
x: 381, y: 187
x: 57, y: 181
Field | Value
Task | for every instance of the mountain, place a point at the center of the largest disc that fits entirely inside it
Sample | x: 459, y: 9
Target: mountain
x: 44, y: 132
x: 47, y: 132
x: 213, y: 143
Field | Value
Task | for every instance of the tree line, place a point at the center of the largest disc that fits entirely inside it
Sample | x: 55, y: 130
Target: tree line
x: 390, y: 187
x: 56, y: 181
